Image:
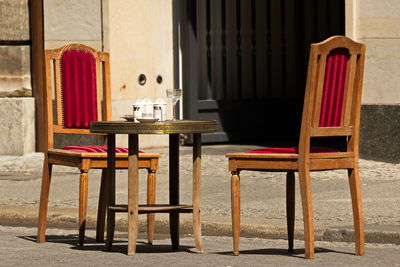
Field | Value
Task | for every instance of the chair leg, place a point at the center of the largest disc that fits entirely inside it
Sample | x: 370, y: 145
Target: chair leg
x: 235, y: 201
x: 44, y: 201
x: 354, y: 182
x: 151, y: 199
x: 290, y: 207
x: 306, y: 200
x: 83, y: 196
x: 102, y: 207
x: 110, y: 197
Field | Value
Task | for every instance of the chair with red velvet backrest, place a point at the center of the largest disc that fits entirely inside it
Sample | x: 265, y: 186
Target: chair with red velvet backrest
x: 331, y: 108
x: 79, y: 78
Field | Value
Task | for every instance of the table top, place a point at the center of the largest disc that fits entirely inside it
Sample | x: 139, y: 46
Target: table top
x: 164, y: 127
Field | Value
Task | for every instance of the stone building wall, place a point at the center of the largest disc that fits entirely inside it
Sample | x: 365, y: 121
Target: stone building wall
x: 14, y: 58
x: 17, y: 125
x: 138, y: 35
x: 377, y: 24
x: 73, y: 21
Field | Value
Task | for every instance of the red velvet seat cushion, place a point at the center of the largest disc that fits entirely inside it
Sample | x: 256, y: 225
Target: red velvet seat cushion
x: 292, y: 150
x: 95, y: 149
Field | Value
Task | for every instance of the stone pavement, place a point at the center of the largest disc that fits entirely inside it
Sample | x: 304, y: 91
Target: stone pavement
x: 18, y: 248
x: 263, y: 197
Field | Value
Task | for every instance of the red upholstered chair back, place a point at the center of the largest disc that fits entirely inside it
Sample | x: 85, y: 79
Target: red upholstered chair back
x: 333, y: 91
x: 77, y: 89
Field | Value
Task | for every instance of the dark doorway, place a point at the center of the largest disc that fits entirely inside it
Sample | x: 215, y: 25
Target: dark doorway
x: 244, y: 63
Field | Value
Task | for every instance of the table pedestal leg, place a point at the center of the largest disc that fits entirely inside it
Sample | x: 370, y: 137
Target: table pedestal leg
x: 110, y: 187
x: 197, y: 191
x: 174, y: 188
x: 133, y: 193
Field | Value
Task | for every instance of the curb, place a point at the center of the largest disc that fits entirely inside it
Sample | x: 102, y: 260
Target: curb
x: 211, y: 225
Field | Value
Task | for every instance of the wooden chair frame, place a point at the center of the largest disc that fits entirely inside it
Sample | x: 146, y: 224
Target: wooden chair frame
x: 304, y: 161
x: 82, y: 160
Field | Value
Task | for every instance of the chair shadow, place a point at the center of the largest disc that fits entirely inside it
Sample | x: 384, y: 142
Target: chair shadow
x: 297, y: 253
x: 119, y: 246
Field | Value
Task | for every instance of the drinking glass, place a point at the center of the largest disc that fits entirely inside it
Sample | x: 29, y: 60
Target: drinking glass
x: 174, y: 95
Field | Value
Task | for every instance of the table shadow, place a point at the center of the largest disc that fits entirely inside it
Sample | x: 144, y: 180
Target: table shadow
x: 119, y: 246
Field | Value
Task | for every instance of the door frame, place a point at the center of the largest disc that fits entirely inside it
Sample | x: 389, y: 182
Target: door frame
x: 37, y: 68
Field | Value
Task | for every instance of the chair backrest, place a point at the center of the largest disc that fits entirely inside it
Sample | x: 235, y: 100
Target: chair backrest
x: 77, y: 89
x: 333, y: 91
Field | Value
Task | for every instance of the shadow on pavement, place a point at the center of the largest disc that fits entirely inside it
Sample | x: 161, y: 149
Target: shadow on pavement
x: 117, y: 247
x: 298, y: 253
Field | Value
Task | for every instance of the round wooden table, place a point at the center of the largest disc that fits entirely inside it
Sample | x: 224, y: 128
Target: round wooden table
x: 173, y: 129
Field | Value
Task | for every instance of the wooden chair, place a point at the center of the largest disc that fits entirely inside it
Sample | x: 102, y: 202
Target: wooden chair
x: 79, y: 77
x: 331, y: 108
